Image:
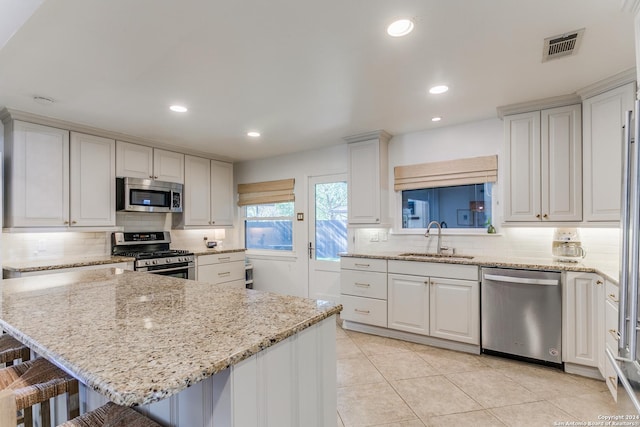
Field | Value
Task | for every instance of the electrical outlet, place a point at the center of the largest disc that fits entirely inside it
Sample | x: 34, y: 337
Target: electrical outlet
x: 374, y: 236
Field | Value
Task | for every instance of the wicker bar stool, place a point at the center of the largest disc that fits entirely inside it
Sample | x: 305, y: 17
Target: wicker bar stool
x: 12, y: 349
x: 111, y: 415
x: 37, y: 381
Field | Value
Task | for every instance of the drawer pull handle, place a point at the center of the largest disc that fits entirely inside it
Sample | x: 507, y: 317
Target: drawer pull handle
x: 361, y: 311
x: 363, y: 285
x: 613, y: 297
x: 615, y: 334
x: 613, y: 381
x: 224, y: 259
x: 226, y: 273
x: 362, y: 265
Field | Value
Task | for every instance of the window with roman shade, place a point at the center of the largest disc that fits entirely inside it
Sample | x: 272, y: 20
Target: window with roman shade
x: 475, y: 170
x: 268, y: 214
x: 455, y: 193
x: 266, y: 192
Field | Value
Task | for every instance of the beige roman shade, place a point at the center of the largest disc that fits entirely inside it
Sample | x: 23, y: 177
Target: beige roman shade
x: 475, y: 170
x: 266, y: 192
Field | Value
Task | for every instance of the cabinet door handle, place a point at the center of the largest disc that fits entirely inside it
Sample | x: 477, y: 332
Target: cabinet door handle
x: 362, y: 285
x: 66, y: 222
x: 545, y: 216
x: 151, y: 176
x: 357, y: 310
x: 213, y: 222
x: 599, y: 282
x: 615, y: 334
x: 155, y: 177
x: 362, y: 265
x: 613, y: 298
x: 538, y: 216
x: 74, y: 222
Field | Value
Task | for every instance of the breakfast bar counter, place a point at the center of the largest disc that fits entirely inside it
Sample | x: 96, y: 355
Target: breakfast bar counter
x: 147, y: 340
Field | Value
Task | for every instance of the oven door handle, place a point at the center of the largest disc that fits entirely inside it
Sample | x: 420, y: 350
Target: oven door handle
x: 146, y: 269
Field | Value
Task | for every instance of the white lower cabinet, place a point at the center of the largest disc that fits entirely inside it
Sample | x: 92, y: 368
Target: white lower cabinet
x: 363, y: 289
x: 408, y: 303
x: 455, y: 310
x: 437, y: 300
x: 582, y: 299
x: 225, y: 268
x: 611, y: 336
x: 369, y: 311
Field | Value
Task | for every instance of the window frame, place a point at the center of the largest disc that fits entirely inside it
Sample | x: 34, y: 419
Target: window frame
x: 268, y: 252
x: 397, y: 220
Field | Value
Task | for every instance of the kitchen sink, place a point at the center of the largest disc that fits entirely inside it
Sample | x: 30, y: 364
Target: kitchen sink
x: 429, y: 255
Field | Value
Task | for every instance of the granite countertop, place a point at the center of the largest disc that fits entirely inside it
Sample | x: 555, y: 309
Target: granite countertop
x: 206, y: 251
x: 610, y: 272
x: 138, y: 338
x: 59, y: 263
x: 56, y: 264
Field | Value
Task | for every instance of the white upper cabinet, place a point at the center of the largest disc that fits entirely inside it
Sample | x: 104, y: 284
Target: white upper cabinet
x: 51, y: 182
x: 92, y: 177
x: 222, y: 206
x: 139, y: 161
x: 208, y: 192
x: 37, y: 175
x: 368, y: 185
x: 543, y: 167
x: 603, y: 117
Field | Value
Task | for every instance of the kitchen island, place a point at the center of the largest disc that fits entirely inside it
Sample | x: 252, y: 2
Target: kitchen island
x: 186, y: 353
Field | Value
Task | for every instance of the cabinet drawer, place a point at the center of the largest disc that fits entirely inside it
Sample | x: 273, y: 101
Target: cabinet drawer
x: 363, y: 284
x: 220, y: 258
x: 434, y: 269
x: 364, y: 310
x: 612, y: 292
x: 611, y: 326
x: 364, y: 264
x: 221, y: 273
x: 611, y: 378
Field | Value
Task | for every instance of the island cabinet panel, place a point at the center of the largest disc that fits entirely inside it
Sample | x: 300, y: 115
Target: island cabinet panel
x: 292, y: 383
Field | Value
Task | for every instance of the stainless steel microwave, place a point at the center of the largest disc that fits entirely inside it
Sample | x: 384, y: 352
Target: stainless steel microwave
x: 148, y: 195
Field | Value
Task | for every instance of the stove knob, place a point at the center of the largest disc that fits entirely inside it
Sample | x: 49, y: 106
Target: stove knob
x: 168, y: 260
x: 155, y: 261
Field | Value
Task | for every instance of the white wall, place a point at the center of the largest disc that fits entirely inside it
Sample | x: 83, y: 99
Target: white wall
x: 288, y: 273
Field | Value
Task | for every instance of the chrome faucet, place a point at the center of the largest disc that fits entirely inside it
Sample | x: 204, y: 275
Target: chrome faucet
x: 427, y: 235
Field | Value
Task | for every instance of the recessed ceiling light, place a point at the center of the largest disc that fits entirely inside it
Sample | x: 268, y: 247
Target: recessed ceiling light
x: 438, y: 89
x: 42, y: 100
x: 178, y: 108
x: 253, y: 134
x: 400, y: 28
x: 436, y: 119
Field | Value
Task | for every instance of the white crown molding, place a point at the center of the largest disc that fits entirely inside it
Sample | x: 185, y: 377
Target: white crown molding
x: 617, y: 80
x: 609, y: 83
x: 538, y: 104
x: 376, y: 134
x: 8, y: 114
x: 631, y: 6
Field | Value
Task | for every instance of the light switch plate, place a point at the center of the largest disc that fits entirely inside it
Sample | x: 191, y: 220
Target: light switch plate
x: 300, y: 216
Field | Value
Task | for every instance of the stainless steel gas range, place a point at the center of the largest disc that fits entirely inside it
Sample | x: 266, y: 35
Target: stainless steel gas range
x: 152, y: 253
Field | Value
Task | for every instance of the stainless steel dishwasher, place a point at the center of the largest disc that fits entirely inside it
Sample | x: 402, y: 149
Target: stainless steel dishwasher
x: 522, y: 314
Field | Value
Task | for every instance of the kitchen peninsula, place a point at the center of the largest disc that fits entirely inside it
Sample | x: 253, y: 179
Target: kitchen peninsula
x: 186, y: 352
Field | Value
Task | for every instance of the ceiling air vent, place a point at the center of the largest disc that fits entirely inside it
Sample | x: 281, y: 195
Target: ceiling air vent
x: 566, y: 44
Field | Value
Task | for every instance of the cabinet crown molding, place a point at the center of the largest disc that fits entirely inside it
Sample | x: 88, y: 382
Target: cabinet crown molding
x: 601, y: 86
x: 9, y: 114
x: 366, y: 136
x: 538, y: 104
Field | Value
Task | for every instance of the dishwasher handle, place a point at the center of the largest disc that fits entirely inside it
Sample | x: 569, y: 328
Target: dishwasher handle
x: 522, y: 280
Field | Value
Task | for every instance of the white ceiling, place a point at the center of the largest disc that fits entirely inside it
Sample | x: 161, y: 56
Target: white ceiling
x: 303, y: 72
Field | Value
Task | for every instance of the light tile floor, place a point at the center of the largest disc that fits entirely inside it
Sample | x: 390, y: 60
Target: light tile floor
x: 386, y: 382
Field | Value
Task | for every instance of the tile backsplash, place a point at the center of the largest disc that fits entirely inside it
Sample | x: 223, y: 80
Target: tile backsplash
x: 42, y: 246
x: 602, y: 244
